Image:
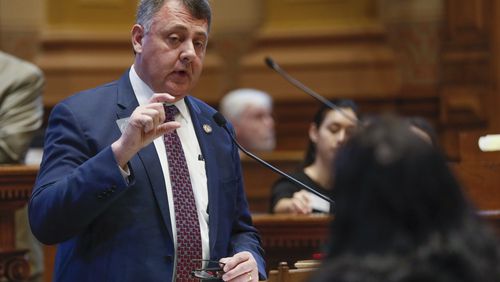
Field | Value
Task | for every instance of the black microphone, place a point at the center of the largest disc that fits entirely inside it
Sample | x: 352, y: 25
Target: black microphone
x: 221, y: 121
x: 273, y: 65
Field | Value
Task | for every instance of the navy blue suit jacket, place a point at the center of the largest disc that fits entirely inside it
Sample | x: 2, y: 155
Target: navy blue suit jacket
x: 109, y: 229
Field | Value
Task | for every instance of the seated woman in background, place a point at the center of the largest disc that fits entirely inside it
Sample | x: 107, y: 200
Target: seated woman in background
x: 401, y: 215
x: 328, y: 131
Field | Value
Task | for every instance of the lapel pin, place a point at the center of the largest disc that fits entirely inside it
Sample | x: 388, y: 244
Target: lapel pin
x: 207, y: 128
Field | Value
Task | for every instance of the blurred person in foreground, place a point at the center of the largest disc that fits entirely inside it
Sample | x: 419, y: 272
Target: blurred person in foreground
x: 250, y: 111
x: 401, y: 214
x: 424, y: 130
x: 329, y: 130
x: 21, y: 116
x: 137, y: 182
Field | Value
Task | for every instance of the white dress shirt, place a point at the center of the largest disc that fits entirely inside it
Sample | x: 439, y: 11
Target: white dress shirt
x: 192, y: 150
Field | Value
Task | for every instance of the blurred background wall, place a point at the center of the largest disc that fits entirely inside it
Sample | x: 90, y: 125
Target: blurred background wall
x: 432, y: 58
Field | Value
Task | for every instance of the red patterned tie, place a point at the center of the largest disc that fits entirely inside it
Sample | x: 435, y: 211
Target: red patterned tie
x: 186, y: 215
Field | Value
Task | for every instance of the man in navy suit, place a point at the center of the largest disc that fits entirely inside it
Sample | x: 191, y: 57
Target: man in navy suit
x: 104, y: 192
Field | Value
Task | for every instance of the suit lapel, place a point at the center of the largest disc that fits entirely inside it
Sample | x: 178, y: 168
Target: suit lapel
x: 199, y: 121
x: 147, y: 157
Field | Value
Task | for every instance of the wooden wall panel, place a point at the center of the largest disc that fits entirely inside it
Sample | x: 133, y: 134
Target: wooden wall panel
x: 338, y: 62
x: 467, y: 78
x: 19, y: 27
x: 90, y: 15
x: 77, y: 61
x: 349, y: 56
x: 494, y: 122
x: 469, y: 21
x: 318, y: 13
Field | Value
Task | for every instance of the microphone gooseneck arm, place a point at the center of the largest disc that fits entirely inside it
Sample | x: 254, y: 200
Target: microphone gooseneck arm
x: 273, y: 65
x: 221, y: 121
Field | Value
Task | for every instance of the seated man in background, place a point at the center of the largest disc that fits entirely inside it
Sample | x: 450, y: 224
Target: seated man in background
x: 250, y: 112
x: 21, y: 116
x: 21, y: 107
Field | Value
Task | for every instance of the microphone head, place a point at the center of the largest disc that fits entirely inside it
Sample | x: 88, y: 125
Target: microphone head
x: 270, y: 63
x: 219, y: 119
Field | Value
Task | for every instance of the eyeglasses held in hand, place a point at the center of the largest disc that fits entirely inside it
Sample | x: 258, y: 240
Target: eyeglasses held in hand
x: 209, y: 273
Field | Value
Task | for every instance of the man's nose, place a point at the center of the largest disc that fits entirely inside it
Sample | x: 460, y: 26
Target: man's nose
x: 269, y: 121
x: 188, y: 52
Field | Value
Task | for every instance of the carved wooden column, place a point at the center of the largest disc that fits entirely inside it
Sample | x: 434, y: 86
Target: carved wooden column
x: 467, y: 84
x: 233, y: 35
x: 414, y: 29
x: 16, y: 183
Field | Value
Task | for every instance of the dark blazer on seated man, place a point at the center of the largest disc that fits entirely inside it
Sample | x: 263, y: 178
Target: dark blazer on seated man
x: 105, y: 189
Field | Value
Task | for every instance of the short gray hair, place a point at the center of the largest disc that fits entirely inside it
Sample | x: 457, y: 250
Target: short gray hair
x: 147, y: 9
x: 234, y: 102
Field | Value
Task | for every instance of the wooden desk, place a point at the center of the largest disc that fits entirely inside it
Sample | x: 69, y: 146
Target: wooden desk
x: 291, y: 237
x: 16, y: 183
x: 492, y: 218
x: 481, y: 182
x: 284, y: 237
x: 478, y: 172
x: 287, y: 238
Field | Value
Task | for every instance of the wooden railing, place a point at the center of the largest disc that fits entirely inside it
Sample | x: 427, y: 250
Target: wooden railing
x: 289, y: 238
x: 479, y: 172
x: 16, y: 183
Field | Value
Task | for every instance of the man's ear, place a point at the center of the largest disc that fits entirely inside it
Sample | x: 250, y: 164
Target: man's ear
x: 137, y: 36
x: 313, y: 133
